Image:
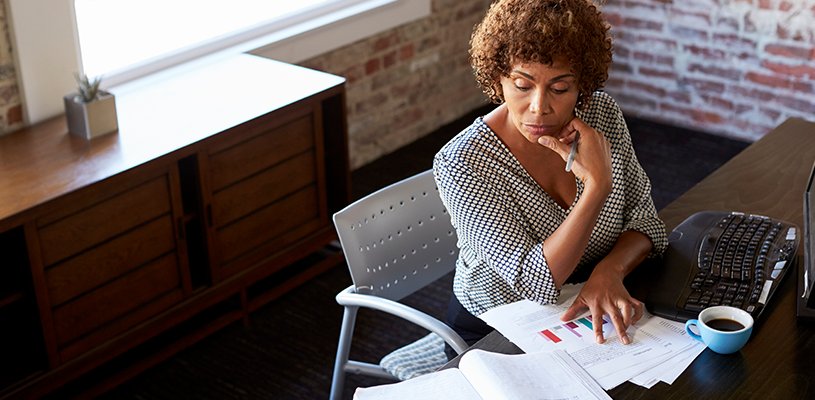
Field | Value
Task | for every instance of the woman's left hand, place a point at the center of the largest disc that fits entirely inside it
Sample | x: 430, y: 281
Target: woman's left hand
x: 604, y: 294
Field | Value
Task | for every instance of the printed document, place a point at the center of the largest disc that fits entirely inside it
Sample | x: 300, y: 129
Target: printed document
x: 653, y: 341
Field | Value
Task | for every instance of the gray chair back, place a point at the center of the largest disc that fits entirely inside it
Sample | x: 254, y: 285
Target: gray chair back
x: 398, y: 239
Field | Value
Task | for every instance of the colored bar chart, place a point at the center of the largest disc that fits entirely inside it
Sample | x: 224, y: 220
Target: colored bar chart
x: 579, y: 328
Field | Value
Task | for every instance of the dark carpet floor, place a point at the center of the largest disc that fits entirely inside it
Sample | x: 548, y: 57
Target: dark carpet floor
x: 288, y: 350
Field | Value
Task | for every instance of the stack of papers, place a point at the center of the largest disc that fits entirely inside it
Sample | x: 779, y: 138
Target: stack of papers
x: 659, y: 349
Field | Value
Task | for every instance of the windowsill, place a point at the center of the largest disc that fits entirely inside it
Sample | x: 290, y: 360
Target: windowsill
x: 45, y: 68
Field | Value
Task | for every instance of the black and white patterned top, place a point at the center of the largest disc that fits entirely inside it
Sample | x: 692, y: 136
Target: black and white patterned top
x: 502, y: 216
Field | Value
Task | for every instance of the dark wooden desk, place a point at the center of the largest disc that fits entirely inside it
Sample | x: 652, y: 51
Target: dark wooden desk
x: 778, y: 362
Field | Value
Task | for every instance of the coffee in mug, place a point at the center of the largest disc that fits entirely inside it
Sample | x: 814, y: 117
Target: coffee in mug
x: 723, y: 329
x: 725, y: 325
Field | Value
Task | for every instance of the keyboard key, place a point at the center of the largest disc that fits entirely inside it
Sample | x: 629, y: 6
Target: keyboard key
x: 765, y: 292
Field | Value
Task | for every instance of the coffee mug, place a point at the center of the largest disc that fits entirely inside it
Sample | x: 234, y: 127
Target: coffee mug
x: 723, y: 329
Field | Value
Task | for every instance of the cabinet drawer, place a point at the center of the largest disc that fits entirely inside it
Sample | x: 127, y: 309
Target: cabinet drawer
x: 276, y: 222
x: 120, y: 325
x: 264, y: 188
x: 109, y: 260
x: 105, y: 304
x: 261, y: 152
x: 104, y: 220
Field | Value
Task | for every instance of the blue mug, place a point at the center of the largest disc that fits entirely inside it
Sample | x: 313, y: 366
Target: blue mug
x: 723, y: 329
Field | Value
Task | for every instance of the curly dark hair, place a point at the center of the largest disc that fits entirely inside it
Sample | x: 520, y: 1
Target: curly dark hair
x: 536, y: 31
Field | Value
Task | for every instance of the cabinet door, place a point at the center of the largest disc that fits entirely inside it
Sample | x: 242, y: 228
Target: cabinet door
x: 112, y: 259
x: 265, y: 188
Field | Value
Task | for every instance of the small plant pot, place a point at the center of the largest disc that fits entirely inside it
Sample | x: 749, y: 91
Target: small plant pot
x: 93, y: 119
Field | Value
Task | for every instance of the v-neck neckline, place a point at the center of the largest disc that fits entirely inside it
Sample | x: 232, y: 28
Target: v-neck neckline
x: 517, y: 164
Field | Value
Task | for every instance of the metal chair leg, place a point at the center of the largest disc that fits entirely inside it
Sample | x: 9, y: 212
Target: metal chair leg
x: 343, y: 348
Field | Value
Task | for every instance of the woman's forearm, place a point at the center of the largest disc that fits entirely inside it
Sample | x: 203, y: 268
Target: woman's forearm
x: 631, y: 249
x: 563, y: 249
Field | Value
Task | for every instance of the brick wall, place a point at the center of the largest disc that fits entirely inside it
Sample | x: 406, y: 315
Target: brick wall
x: 732, y: 67
x: 405, y: 83
x: 11, y: 111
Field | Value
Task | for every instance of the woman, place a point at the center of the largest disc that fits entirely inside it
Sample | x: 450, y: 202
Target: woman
x: 525, y: 225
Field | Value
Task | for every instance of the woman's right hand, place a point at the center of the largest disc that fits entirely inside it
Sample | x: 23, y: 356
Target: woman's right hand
x: 592, y: 162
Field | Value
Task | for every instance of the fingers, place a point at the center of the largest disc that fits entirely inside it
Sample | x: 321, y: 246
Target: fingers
x: 597, y: 325
x: 620, y: 326
x: 555, y: 145
x: 637, y: 306
x: 574, y: 310
x: 627, y: 312
x: 626, y: 315
x: 630, y: 313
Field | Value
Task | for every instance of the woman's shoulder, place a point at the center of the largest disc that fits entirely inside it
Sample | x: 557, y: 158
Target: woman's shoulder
x: 602, y: 107
x: 472, y: 140
x: 604, y: 114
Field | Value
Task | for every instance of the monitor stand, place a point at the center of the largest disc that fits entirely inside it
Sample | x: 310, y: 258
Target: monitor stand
x: 806, y: 315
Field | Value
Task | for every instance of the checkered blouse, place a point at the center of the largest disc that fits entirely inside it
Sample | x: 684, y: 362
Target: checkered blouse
x: 502, y: 216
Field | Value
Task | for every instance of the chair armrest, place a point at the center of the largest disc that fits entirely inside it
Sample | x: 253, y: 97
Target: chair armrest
x: 349, y: 297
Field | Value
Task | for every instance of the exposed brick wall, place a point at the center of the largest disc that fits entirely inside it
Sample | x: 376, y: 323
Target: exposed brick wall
x: 404, y: 83
x: 733, y: 67
x: 11, y: 111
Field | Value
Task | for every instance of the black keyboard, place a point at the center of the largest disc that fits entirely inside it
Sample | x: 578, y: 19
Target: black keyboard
x: 719, y: 258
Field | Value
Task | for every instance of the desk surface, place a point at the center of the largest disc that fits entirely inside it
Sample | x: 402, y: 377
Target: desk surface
x: 778, y: 362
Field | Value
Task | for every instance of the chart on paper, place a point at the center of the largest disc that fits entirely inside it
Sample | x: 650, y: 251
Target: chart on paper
x: 569, y: 335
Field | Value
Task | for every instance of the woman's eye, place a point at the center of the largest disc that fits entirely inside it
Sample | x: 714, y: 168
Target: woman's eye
x: 522, y: 88
x: 560, y: 89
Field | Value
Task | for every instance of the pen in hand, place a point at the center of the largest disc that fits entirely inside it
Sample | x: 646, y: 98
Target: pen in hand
x: 572, y: 153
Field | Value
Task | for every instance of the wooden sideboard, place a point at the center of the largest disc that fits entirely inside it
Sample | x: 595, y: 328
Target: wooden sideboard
x: 214, y: 197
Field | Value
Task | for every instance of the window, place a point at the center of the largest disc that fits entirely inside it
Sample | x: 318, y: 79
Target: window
x: 125, y: 40
x: 123, y: 34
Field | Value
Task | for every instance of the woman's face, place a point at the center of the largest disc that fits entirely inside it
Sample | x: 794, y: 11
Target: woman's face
x: 540, y: 98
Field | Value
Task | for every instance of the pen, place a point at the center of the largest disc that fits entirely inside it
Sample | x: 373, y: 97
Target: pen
x: 570, y: 160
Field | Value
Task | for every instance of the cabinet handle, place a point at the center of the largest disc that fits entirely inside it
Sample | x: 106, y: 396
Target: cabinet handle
x: 209, y: 215
x: 181, y: 233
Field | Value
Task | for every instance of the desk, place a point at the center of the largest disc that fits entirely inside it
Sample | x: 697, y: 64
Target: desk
x: 779, y: 360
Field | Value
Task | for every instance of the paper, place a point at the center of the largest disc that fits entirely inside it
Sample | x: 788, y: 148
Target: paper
x: 448, y: 384
x: 494, y: 376
x: 653, y: 341
x: 540, y: 376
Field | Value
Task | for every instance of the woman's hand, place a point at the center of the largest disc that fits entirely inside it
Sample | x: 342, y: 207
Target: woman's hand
x: 592, y: 162
x: 604, y: 294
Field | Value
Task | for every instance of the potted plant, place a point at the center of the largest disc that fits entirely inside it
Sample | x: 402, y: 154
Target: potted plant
x: 91, y: 112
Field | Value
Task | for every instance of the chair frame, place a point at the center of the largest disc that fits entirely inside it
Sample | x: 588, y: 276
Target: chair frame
x: 406, y: 215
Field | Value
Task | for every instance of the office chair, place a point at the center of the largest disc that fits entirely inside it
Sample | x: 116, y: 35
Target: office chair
x: 396, y: 241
